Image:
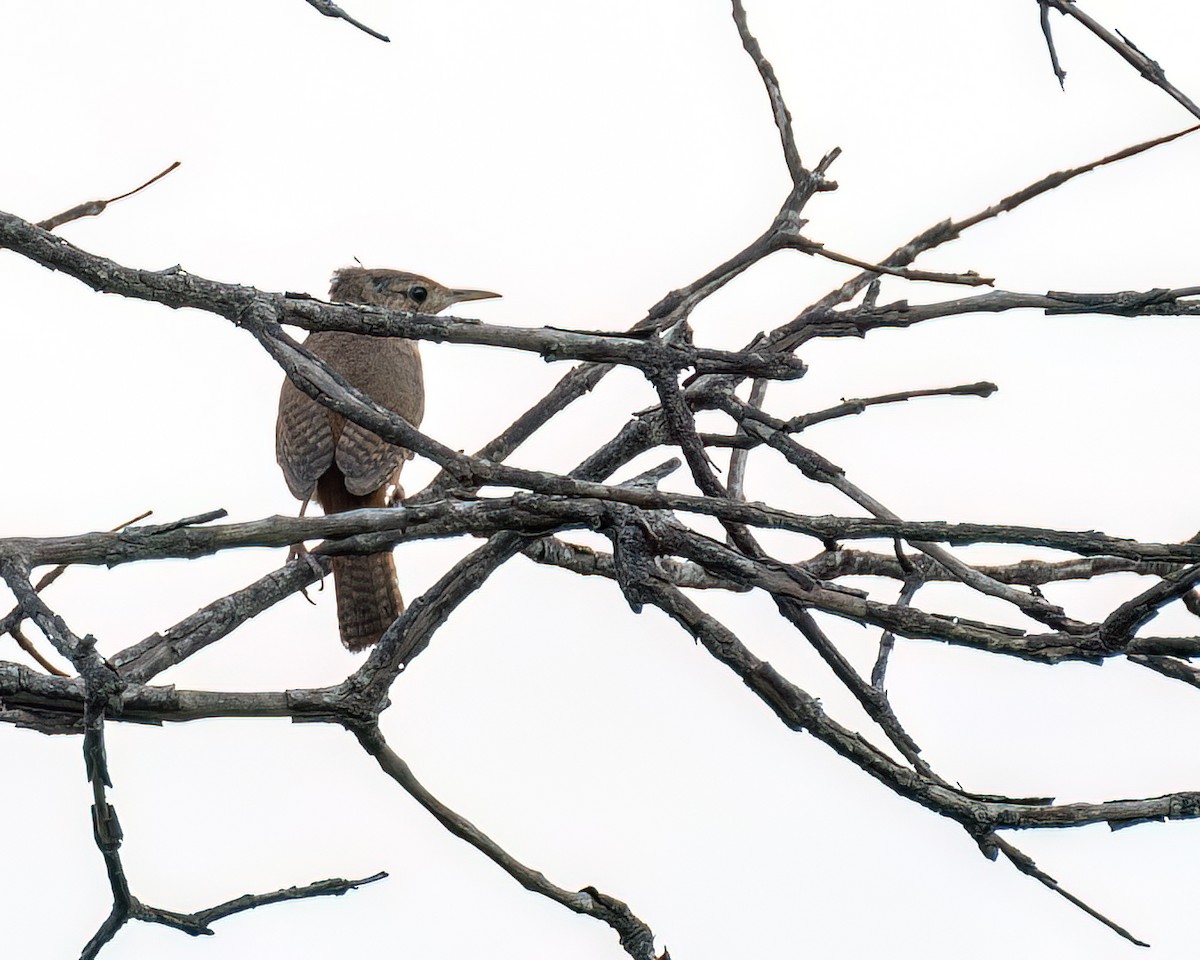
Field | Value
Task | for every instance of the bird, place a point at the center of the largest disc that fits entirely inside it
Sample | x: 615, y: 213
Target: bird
x: 345, y: 466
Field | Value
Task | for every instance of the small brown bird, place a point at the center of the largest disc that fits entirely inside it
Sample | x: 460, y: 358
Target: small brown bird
x: 345, y: 466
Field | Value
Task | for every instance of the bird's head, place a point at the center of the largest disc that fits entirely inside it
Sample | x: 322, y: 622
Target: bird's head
x: 398, y: 290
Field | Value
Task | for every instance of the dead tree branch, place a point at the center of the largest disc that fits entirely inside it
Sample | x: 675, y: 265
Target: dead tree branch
x: 636, y: 938
x: 93, y: 208
x: 330, y: 9
x: 1150, y: 70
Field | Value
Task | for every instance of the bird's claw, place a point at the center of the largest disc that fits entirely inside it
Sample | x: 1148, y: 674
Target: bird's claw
x: 298, y: 551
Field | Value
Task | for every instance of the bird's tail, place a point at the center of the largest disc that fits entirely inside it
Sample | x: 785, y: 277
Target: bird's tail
x: 368, y: 597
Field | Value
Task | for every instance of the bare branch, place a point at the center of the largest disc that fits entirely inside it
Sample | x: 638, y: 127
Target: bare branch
x: 329, y: 9
x: 178, y: 288
x: 198, y: 923
x: 832, y: 564
x: 847, y: 408
x: 1054, y: 180
x: 1149, y: 69
x: 950, y: 230
x: 736, y: 485
x: 1025, y: 864
x: 12, y: 622
x: 914, y: 579
x: 873, y: 700
x: 596, y: 563
x: 783, y: 117
x: 550, y: 343
x: 1119, y: 627
x: 364, y: 531
x: 855, y: 322
x: 970, y: 278
x: 800, y: 711
x: 27, y: 645
x: 94, y: 208
x: 145, y: 660
x: 55, y: 705
x: 31, y: 606
x: 1059, y: 72
x: 816, y: 467
x: 1169, y: 667
x: 636, y: 938
x: 105, y: 827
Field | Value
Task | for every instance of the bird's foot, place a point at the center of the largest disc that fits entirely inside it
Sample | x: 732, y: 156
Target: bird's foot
x: 298, y: 551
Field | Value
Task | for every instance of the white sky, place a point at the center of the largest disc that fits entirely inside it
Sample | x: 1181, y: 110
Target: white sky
x: 584, y: 159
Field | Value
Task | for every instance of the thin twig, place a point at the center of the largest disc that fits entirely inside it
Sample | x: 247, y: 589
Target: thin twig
x: 28, y: 646
x: 1059, y: 72
x: 329, y: 9
x: 198, y: 923
x: 94, y: 208
x: 1025, y: 864
x: 913, y: 581
x: 847, y: 408
x: 736, y: 485
x: 970, y: 278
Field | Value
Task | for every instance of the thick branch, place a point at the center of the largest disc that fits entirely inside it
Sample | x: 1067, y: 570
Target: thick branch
x: 177, y: 288
x: 550, y: 343
x: 145, y: 660
x: 365, y: 531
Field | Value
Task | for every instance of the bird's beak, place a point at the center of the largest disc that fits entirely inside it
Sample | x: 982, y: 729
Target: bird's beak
x: 458, y: 296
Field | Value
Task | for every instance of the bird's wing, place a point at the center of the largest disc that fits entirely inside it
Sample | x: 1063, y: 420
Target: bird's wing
x: 303, y: 441
x: 367, y: 461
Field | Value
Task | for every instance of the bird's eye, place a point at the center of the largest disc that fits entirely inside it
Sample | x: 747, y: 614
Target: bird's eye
x: 417, y: 294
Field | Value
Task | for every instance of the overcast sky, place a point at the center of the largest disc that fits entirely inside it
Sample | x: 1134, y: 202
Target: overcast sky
x: 583, y: 159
